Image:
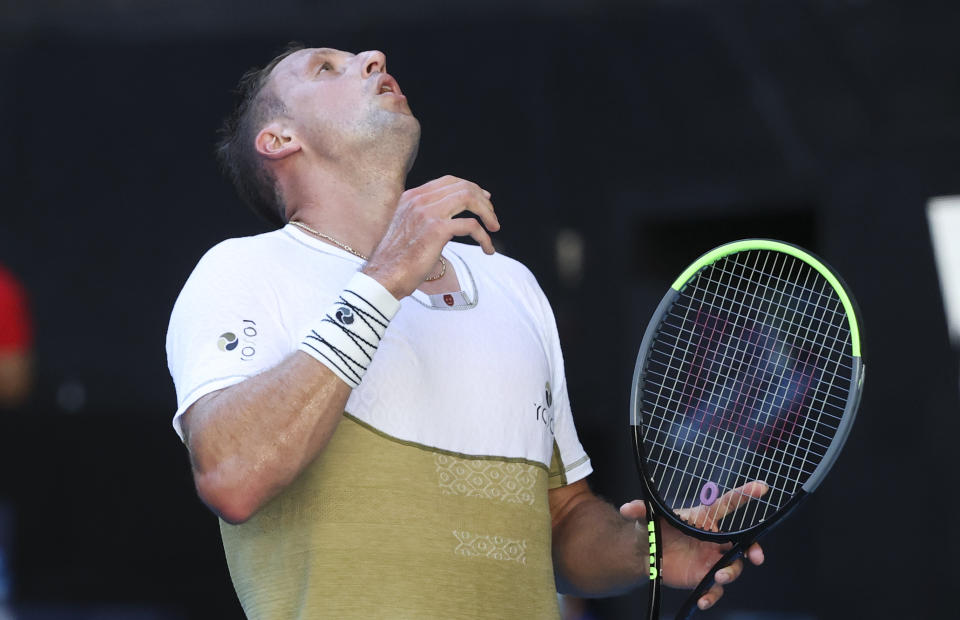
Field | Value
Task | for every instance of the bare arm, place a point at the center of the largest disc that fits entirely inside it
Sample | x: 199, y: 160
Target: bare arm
x: 595, y: 550
x: 600, y: 552
x: 250, y: 440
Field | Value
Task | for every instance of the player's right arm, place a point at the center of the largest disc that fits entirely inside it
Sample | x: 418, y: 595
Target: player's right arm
x: 250, y: 440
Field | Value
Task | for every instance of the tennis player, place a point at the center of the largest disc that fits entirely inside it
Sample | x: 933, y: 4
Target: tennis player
x: 378, y: 414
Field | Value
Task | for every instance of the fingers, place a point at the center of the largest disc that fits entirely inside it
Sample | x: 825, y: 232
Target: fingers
x: 467, y: 201
x: 635, y: 510
x: 456, y: 199
x: 450, y: 196
x: 709, y: 599
x: 730, y: 573
x: 435, y: 184
x: 444, y: 182
x: 708, y: 517
x: 469, y: 226
x: 447, y: 184
x: 422, y: 224
x: 697, y: 517
x: 755, y: 554
x: 734, y: 498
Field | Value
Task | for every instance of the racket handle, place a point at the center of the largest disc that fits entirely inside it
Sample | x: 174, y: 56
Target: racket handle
x: 656, y: 562
x: 690, y: 605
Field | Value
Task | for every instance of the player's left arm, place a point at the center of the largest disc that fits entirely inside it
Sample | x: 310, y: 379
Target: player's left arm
x: 599, y: 551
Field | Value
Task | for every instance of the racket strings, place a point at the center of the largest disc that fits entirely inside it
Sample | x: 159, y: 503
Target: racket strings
x: 803, y: 443
x: 781, y: 430
x: 838, y: 340
x: 753, y: 377
x: 823, y: 298
x: 761, y: 347
x: 713, y: 464
x: 699, y: 367
x: 731, y: 472
x: 665, y: 359
x: 823, y: 304
x: 734, y: 452
x: 721, y: 387
x: 662, y: 367
x: 667, y: 372
x: 763, y: 465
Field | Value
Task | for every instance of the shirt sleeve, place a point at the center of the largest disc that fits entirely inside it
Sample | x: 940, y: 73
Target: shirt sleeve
x: 16, y: 330
x: 226, y: 326
x: 570, y: 461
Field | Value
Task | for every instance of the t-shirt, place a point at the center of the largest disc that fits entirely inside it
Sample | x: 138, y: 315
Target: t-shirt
x: 430, y: 501
x: 16, y: 332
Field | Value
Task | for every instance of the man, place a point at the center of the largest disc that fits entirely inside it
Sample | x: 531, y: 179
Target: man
x: 378, y: 415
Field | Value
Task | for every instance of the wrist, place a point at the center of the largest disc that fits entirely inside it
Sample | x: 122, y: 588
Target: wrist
x: 347, y: 336
x: 389, y: 278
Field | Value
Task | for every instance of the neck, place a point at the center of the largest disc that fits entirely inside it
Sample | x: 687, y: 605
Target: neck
x: 352, y: 204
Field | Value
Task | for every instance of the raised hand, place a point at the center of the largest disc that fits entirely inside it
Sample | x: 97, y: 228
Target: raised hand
x: 422, y: 225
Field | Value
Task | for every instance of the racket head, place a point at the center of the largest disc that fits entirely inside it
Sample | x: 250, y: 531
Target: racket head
x: 751, y: 369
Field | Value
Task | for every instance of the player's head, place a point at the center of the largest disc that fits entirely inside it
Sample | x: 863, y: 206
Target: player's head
x: 320, y: 105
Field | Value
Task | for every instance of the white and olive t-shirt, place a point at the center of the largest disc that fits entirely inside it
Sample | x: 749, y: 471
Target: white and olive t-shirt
x: 430, y: 501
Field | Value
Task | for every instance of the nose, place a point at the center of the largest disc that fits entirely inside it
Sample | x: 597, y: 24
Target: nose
x: 372, y: 62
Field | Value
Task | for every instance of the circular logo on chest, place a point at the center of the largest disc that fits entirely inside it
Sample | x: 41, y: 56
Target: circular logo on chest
x: 227, y: 341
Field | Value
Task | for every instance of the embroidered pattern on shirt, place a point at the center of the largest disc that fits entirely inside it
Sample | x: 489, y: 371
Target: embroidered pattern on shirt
x: 512, y: 483
x: 491, y: 547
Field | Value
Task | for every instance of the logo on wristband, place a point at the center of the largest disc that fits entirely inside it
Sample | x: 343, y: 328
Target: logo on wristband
x: 345, y: 316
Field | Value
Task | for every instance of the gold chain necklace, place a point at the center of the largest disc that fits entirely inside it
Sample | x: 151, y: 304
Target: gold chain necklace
x: 301, y: 225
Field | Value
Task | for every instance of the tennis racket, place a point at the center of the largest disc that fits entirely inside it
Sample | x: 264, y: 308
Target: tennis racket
x: 749, y: 372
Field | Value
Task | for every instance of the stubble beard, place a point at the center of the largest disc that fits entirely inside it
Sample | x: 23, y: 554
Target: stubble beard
x: 376, y: 143
x: 391, y: 139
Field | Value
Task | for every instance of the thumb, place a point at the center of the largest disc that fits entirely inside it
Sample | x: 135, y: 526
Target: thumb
x: 635, y: 510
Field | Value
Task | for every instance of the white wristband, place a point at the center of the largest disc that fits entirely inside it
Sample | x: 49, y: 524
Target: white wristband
x: 348, y: 336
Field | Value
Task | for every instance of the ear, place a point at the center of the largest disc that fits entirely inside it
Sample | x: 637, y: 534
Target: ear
x: 276, y: 142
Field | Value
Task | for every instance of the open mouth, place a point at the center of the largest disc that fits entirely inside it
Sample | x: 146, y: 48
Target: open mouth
x: 388, y: 85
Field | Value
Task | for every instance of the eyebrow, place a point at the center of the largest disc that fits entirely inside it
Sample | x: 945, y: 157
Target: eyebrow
x: 321, y: 52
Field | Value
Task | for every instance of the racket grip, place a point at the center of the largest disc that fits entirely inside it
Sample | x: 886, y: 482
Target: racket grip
x: 656, y: 562
x: 690, y: 605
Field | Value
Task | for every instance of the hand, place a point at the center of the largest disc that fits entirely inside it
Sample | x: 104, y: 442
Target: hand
x: 686, y: 559
x: 422, y: 225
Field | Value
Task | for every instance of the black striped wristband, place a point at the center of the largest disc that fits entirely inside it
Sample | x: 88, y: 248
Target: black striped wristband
x: 350, y: 332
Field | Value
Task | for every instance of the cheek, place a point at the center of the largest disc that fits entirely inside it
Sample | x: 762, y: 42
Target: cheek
x: 340, y: 113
